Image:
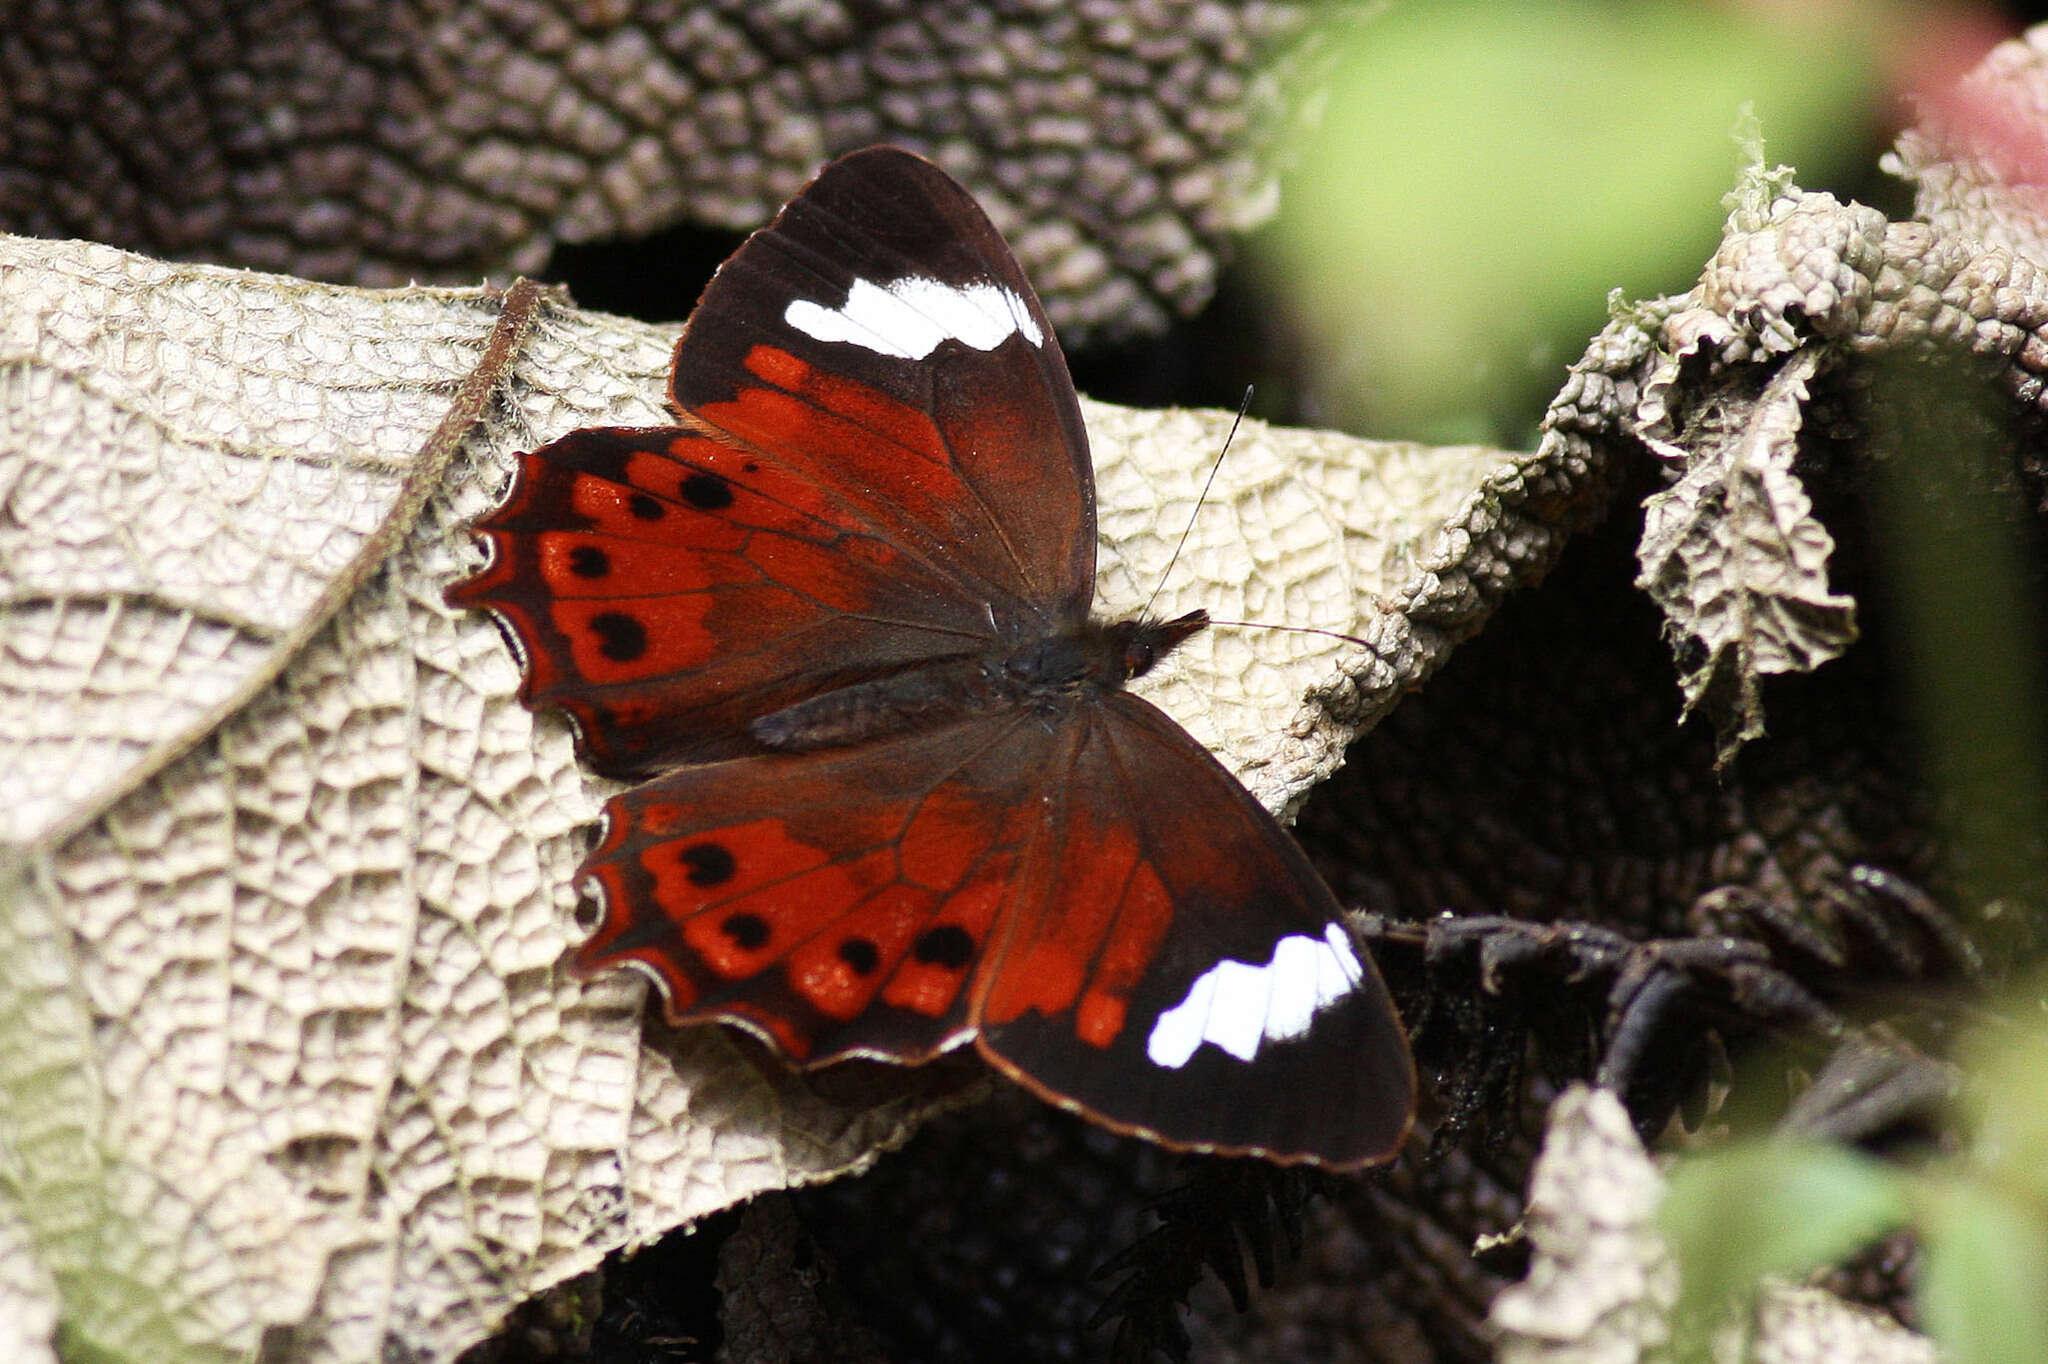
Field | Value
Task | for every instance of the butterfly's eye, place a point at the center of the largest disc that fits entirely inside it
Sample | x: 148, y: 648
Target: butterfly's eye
x: 1139, y: 656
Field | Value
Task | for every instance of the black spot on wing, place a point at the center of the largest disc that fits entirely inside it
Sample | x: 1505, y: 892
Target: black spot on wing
x: 706, y: 492
x: 710, y: 864
x: 620, y: 637
x: 948, y: 945
x: 747, y: 931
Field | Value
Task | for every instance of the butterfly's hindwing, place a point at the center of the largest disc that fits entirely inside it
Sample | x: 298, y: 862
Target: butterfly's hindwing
x: 836, y: 901
x: 1242, y: 1018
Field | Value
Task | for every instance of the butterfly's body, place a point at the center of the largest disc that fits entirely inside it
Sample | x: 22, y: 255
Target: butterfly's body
x: 1046, y: 676
x: 896, y: 796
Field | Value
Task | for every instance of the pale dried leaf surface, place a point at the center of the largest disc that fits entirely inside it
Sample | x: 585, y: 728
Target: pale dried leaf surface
x: 1302, y: 528
x: 395, y: 140
x: 293, y: 866
x: 1602, y: 1280
x: 174, y: 518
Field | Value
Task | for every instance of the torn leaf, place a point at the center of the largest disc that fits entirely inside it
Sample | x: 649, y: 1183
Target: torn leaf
x: 1733, y: 553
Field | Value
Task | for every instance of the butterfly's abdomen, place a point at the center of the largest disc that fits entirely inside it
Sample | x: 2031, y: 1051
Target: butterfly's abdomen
x: 916, y: 698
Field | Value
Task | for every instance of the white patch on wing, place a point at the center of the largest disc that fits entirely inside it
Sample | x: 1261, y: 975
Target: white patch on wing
x: 1239, y: 1006
x: 908, y: 318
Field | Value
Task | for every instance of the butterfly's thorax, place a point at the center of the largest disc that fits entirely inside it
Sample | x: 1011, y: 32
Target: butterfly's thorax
x: 1047, y: 674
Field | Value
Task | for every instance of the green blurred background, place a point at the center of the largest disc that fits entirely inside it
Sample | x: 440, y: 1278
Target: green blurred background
x: 1482, y: 175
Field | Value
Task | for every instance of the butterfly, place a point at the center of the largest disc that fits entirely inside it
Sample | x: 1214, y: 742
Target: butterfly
x: 895, y: 797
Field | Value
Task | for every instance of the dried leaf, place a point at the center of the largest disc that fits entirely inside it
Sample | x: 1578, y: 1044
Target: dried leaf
x: 380, y: 142
x: 1978, y: 157
x: 1733, y: 553
x: 288, y: 1056
x: 1802, y: 285
x: 1602, y: 1281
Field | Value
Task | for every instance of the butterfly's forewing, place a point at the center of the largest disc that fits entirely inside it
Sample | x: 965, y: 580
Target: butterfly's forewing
x: 667, y: 587
x: 885, y: 464
x: 880, y: 339
x: 1227, y: 1009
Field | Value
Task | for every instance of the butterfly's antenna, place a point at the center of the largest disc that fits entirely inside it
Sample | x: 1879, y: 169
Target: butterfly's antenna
x: 1207, y: 484
x: 1210, y: 482
x: 1297, y: 630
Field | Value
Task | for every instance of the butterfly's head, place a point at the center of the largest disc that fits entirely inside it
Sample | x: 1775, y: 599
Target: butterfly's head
x: 1144, y: 642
